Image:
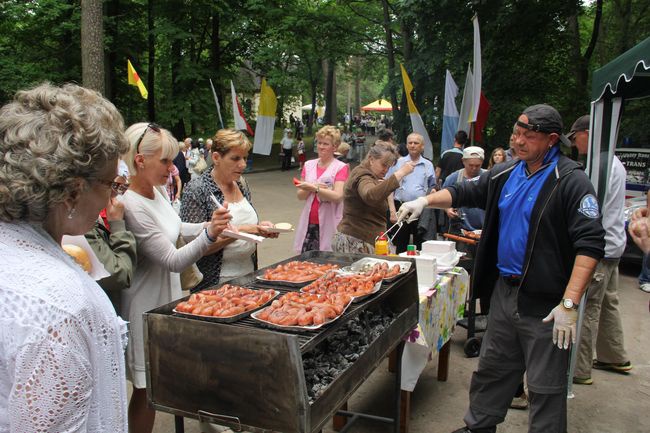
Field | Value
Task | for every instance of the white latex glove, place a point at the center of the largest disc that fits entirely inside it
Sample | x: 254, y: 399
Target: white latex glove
x: 411, y: 210
x: 564, y: 325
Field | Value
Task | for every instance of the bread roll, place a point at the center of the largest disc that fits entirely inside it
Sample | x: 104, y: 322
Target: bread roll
x: 79, y: 255
x: 283, y: 226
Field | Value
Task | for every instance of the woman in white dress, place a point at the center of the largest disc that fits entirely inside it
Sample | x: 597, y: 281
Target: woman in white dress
x: 156, y: 226
x: 62, y: 356
x: 228, y: 258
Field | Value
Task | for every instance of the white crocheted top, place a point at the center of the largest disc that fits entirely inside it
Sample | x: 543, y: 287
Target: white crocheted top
x: 61, y: 343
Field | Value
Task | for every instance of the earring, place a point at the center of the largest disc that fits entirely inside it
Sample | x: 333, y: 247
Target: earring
x: 71, y: 213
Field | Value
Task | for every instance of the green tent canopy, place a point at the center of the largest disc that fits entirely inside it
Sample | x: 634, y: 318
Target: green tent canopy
x: 624, y: 78
x: 627, y: 76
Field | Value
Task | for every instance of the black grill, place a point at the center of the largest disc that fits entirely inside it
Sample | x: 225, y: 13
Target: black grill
x: 248, y: 376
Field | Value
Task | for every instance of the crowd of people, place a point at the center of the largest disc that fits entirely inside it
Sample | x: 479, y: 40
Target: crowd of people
x: 151, y: 208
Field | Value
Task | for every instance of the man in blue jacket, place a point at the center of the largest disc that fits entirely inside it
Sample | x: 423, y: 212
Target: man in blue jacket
x: 542, y: 238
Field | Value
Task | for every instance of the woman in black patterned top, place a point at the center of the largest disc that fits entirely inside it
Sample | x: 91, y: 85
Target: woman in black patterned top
x: 229, y: 258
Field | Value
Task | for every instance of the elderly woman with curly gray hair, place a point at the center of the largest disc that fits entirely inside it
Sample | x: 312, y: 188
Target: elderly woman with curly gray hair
x: 62, y: 351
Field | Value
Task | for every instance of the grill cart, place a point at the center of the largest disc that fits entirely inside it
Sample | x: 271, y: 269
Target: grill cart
x: 250, y: 377
x: 474, y: 323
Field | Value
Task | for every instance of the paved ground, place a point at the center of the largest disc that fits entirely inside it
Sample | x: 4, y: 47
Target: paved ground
x: 613, y: 404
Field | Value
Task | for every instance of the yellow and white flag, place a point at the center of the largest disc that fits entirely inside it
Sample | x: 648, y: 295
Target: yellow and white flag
x: 134, y: 79
x: 416, y: 120
x: 265, y: 120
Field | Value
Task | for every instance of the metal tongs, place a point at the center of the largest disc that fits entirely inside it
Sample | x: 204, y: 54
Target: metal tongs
x: 399, y: 225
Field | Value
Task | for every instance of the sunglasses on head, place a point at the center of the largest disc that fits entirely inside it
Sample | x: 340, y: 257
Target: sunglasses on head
x: 151, y: 126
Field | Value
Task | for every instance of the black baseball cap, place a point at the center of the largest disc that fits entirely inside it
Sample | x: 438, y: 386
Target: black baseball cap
x: 546, y: 119
x: 581, y: 124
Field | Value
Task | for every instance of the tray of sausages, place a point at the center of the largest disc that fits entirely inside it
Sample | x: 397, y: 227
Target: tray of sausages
x: 295, y: 273
x: 226, y: 304
x: 389, y: 270
x: 359, y: 286
x: 303, y: 311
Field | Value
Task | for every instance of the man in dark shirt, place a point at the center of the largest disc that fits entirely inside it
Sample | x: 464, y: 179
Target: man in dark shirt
x: 452, y: 159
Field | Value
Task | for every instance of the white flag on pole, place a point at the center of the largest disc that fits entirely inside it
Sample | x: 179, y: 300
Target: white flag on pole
x: 238, y: 113
x: 466, y: 105
x: 476, y: 85
x: 450, y: 114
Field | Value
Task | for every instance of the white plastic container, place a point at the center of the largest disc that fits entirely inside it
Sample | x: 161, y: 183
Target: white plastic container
x: 438, y: 248
x: 427, y: 268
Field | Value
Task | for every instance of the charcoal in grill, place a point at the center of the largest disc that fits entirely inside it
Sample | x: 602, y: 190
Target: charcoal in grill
x: 342, y: 348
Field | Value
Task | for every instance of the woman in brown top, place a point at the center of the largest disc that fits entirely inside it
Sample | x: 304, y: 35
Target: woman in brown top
x: 365, y: 200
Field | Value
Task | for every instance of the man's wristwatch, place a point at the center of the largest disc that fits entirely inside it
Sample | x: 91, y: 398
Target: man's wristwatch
x: 569, y: 304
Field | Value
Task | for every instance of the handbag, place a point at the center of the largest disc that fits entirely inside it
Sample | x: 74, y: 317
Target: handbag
x: 190, y: 276
x: 201, y: 165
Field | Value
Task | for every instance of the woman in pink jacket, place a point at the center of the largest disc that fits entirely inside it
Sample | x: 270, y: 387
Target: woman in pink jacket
x: 321, y: 187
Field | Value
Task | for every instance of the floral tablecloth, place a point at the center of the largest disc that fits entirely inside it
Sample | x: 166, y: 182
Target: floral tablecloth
x: 440, y: 308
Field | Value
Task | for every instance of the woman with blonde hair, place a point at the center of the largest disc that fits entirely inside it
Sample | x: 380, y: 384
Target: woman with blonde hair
x: 227, y: 258
x: 150, y: 217
x: 62, y: 344
x: 321, y: 187
x: 365, y: 199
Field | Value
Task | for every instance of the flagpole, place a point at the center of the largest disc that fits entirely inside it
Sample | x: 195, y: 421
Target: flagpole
x: 216, y: 101
x: 471, y: 133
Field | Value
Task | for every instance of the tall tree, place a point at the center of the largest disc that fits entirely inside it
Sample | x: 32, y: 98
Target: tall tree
x: 92, y: 45
x: 581, y: 61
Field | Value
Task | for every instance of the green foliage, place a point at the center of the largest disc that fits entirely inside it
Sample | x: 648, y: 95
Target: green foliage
x: 39, y: 41
x: 527, y: 50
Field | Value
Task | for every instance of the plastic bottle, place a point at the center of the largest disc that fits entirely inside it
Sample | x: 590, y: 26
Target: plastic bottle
x: 411, y: 251
x: 381, y: 245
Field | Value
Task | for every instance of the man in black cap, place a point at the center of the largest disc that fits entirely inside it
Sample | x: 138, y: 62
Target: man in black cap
x: 542, y: 238
x: 602, y: 318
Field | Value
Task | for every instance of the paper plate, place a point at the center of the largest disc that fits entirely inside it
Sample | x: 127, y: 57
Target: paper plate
x: 243, y: 236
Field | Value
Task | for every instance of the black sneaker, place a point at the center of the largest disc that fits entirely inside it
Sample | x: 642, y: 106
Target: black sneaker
x: 623, y: 367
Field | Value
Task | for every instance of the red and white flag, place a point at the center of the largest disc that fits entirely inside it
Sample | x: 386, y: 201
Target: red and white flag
x: 238, y: 113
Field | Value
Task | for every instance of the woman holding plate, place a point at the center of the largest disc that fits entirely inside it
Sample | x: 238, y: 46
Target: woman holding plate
x: 228, y: 258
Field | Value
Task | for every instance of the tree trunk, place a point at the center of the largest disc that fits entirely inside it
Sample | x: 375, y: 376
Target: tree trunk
x: 390, y: 53
x: 92, y: 45
x: 215, y: 63
x: 179, y: 128
x: 151, y: 42
x: 312, y: 112
x: 625, y: 15
x: 403, y: 119
x: 357, y: 86
x: 581, y: 61
x: 330, y: 93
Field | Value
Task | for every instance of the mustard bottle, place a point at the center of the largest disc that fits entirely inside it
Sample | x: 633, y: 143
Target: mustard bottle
x: 381, y: 245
